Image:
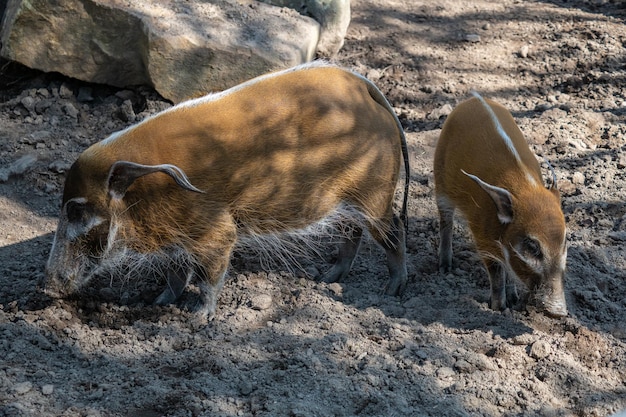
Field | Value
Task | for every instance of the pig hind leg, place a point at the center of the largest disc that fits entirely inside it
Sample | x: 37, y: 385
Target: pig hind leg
x: 446, y: 223
x: 348, y: 248
x: 392, y: 238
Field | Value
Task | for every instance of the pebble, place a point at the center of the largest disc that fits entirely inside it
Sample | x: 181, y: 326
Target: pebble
x: 336, y: 289
x: 578, y: 178
x: 463, y: 366
x: 246, y: 388
x: 70, y: 110
x: 18, y: 167
x: 125, y: 94
x: 84, y: 94
x: 22, y: 387
x: 445, y: 372
x: 442, y: 111
x: 126, y: 112
x: 472, y: 37
x: 59, y: 166
x: 37, y: 137
x: 28, y: 103
x: 47, y: 389
x: 65, y: 91
x: 523, y: 52
x: 261, y: 302
x: 540, y: 349
x: 523, y: 339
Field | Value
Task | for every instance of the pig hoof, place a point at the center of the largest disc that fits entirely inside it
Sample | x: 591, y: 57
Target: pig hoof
x: 165, y: 298
x: 394, y: 288
x: 445, y: 268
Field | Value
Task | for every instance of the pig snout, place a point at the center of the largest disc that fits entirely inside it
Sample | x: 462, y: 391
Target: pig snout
x: 56, y: 284
x: 551, y: 299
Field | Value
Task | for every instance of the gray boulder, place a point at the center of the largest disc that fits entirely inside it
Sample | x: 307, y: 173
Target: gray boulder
x: 333, y: 15
x: 182, y: 48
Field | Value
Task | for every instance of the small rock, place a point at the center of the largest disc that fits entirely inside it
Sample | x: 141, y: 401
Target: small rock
x: 18, y: 167
x: 421, y: 354
x: 523, y: 52
x: 59, y: 166
x: 463, y: 366
x: 540, y: 349
x: 22, y: 387
x: 126, y: 112
x: 43, y: 105
x: 28, y: 103
x: 246, y: 388
x: 65, y: 91
x: 523, y: 339
x: 374, y: 74
x: 125, y: 94
x: 578, y: 144
x: 261, y: 302
x: 444, y: 110
x: 578, y: 178
x: 445, y: 372
x: 84, y: 94
x: 41, y: 135
x: 472, y: 37
x: 70, y: 110
x: 47, y: 389
x: 336, y: 289
x: 49, y: 188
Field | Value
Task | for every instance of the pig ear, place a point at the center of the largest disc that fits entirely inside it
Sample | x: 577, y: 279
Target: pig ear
x: 501, y: 197
x: 123, y: 173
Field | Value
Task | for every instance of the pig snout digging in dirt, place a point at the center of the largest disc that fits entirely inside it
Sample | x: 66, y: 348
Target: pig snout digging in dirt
x: 484, y: 167
x: 275, y: 154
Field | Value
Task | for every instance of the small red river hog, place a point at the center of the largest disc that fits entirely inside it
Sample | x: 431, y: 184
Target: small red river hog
x: 175, y: 192
x: 484, y: 167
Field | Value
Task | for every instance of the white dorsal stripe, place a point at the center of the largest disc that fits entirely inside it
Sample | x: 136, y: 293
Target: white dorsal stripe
x: 505, y: 137
x: 218, y: 95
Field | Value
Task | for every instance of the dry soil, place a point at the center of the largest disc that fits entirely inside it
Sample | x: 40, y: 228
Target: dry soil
x: 284, y: 345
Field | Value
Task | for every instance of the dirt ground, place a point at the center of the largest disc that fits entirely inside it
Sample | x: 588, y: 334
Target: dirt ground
x: 284, y: 345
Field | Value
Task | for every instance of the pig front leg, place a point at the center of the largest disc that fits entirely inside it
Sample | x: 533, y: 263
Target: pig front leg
x: 497, y: 278
x: 178, y: 278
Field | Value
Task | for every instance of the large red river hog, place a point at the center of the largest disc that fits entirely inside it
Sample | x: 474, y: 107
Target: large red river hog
x: 175, y: 192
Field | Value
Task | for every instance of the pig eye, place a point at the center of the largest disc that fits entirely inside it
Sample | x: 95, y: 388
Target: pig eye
x: 532, y: 248
x: 81, y: 218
